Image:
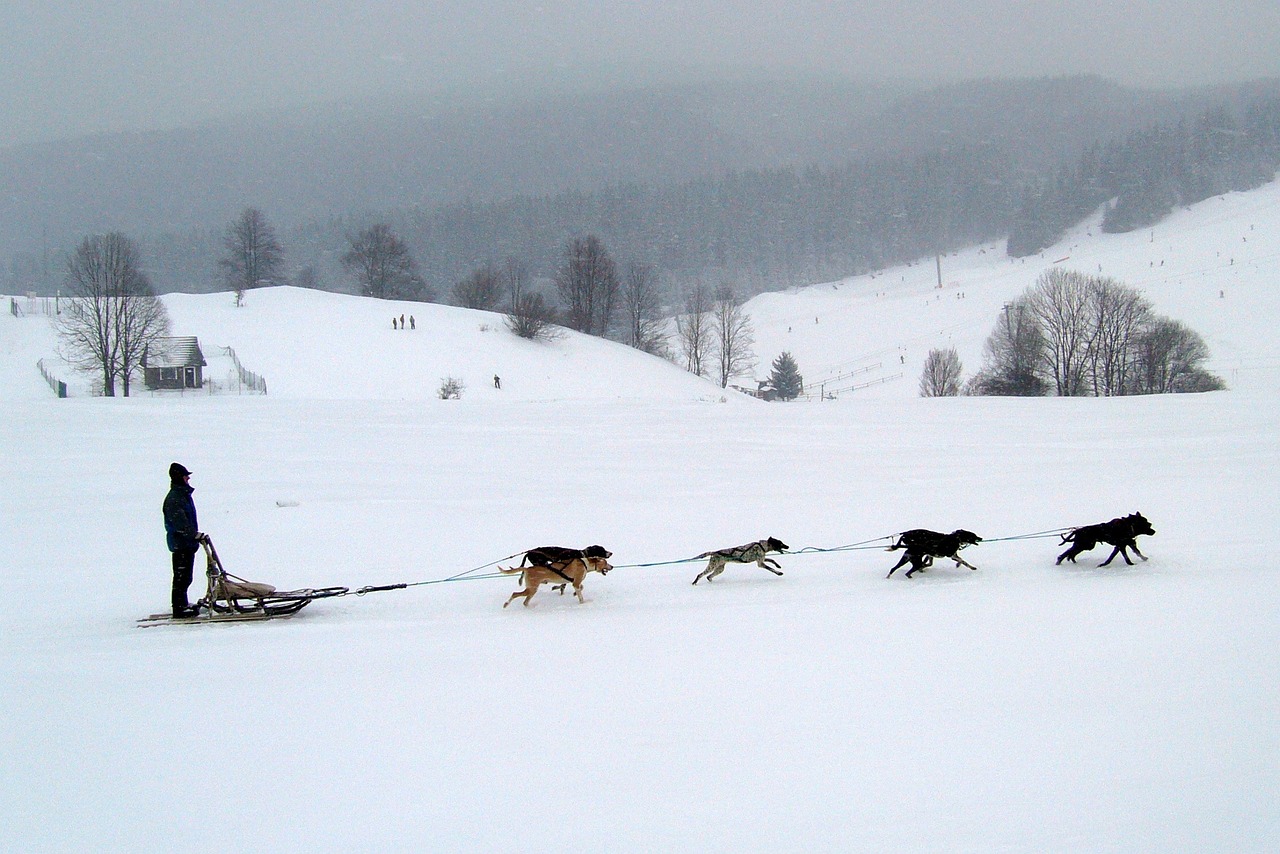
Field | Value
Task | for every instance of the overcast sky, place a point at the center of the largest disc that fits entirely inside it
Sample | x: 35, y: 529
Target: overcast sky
x: 80, y: 66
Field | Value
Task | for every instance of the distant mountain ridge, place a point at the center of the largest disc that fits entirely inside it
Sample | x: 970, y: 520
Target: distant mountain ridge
x: 411, y: 157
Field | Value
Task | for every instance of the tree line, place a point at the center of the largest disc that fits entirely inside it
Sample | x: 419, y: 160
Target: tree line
x: 1074, y: 335
x: 772, y: 228
x: 1145, y: 175
x: 775, y: 228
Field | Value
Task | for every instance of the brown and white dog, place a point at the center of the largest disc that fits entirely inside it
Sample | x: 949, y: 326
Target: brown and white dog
x: 571, y: 571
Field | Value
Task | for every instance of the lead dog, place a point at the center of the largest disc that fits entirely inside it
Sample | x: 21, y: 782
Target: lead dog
x: 1119, y: 532
x: 750, y: 553
x: 571, y: 571
x: 923, y: 546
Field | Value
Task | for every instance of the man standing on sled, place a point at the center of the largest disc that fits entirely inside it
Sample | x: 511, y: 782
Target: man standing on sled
x: 183, y: 536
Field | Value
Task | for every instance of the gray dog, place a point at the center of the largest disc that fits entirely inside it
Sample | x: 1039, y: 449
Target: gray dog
x: 750, y: 553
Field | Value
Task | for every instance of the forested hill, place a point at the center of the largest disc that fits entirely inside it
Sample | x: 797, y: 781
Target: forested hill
x: 765, y: 183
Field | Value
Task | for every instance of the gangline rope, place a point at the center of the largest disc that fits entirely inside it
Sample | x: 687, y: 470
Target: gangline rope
x: 874, y: 543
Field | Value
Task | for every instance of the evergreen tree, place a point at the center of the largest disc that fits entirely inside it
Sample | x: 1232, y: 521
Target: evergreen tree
x: 785, y: 378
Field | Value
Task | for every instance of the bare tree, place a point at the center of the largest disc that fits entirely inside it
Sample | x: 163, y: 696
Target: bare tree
x: 1119, y: 314
x: 1060, y: 301
x: 1013, y: 354
x: 254, y: 256
x: 693, y: 329
x: 941, y: 377
x: 142, y: 319
x: 113, y: 314
x: 515, y: 278
x: 734, y: 335
x: 382, y: 265
x: 1169, y: 357
x: 528, y: 314
x: 483, y: 289
x: 587, y: 283
x: 641, y: 305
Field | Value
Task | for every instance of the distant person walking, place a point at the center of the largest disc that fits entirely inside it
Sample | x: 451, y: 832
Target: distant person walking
x: 497, y: 383
x: 183, y: 536
x: 402, y: 321
x: 412, y: 324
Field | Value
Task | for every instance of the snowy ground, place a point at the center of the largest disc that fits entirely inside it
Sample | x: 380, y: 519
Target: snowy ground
x: 1022, y: 707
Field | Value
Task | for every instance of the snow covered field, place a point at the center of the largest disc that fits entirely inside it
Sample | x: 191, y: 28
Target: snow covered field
x: 1022, y: 707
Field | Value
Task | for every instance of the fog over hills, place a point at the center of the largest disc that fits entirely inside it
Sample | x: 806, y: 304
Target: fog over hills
x: 341, y: 160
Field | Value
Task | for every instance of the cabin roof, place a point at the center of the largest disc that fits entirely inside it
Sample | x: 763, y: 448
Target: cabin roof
x: 176, y: 352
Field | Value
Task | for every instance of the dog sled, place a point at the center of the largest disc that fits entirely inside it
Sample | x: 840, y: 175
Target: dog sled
x: 229, y: 598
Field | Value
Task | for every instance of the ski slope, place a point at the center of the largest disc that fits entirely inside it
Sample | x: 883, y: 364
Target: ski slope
x: 1021, y: 707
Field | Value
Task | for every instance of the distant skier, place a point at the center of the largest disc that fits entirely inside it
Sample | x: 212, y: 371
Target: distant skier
x: 183, y: 536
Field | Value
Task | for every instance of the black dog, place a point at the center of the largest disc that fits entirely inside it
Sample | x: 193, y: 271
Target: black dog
x: 551, y: 556
x: 557, y: 558
x: 923, y: 546
x: 1120, y: 532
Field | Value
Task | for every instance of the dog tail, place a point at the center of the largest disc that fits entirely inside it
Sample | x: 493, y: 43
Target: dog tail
x: 512, y: 571
x: 1068, y: 537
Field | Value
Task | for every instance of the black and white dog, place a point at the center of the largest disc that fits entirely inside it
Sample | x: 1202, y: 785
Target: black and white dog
x: 750, y: 553
x: 923, y: 546
x: 1119, y: 532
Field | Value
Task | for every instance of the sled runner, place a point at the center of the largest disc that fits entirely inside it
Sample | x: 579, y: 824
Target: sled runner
x: 230, y: 598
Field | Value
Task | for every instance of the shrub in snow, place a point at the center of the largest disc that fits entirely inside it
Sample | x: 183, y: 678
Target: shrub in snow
x: 451, y: 388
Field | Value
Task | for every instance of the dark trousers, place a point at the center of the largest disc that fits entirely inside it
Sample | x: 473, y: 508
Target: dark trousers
x: 183, y: 563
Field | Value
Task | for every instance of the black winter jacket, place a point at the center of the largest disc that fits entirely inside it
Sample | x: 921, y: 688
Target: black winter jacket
x: 180, y: 519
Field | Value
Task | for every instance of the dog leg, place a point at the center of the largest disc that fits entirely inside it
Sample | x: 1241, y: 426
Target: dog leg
x: 763, y: 563
x: 706, y: 573
x: 919, y: 564
x: 1115, y: 552
x: 1070, y: 554
x: 1134, y: 546
x: 905, y: 558
x: 577, y: 590
x: 962, y: 562
x: 714, y: 567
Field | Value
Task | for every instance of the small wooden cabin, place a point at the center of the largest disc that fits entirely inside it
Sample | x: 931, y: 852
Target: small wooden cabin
x: 174, y: 363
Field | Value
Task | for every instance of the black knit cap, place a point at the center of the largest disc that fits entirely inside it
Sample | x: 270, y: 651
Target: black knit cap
x: 178, y: 471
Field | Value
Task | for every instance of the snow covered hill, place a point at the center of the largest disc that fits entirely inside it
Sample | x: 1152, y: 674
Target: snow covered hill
x: 1020, y: 707
x: 1212, y: 267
